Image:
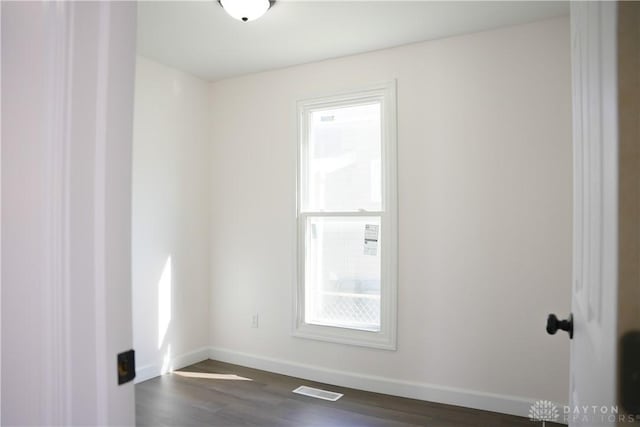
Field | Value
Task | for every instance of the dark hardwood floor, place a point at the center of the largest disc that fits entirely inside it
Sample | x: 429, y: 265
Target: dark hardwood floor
x: 239, y: 396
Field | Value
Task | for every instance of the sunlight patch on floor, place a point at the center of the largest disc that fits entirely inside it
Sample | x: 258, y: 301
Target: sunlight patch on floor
x: 210, y: 376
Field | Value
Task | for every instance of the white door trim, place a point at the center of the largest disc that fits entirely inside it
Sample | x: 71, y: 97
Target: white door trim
x: 595, y: 268
x: 66, y: 201
x: 99, y: 194
x: 56, y: 280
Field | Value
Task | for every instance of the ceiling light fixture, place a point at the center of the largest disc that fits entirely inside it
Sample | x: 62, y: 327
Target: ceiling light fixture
x: 245, y: 10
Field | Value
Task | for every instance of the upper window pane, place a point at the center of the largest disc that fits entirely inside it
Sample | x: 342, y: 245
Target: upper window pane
x: 343, y: 165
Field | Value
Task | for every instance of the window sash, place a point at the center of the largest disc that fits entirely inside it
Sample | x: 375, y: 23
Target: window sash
x: 303, y: 167
x: 315, y: 288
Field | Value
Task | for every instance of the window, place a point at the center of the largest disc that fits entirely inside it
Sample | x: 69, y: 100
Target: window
x: 346, y: 230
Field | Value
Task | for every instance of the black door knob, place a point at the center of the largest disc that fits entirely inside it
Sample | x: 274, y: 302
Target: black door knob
x: 553, y: 324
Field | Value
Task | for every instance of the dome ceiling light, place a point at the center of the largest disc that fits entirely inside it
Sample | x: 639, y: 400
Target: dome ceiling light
x: 245, y: 10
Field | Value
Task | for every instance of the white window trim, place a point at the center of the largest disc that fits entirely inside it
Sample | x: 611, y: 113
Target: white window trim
x: 386, y: 338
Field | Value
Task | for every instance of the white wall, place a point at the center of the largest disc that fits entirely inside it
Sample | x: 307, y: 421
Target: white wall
x: 24, y: 213
x: 171, y: 214
x: 23, y: 208
x: 484, y: 146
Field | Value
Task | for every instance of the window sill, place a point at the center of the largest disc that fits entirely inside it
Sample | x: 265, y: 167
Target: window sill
x: 383, y: 340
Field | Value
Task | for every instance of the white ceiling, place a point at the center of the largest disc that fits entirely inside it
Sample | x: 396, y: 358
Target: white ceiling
x: 200, y: 38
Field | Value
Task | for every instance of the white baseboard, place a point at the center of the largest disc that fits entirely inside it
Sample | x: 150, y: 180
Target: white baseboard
x: 511, y: 405
x: 147, y: 372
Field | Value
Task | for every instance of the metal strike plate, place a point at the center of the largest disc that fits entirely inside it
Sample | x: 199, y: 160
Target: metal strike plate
x: 126, y: 367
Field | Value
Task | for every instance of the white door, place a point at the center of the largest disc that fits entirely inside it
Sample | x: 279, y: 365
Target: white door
x: 595, y: 283
x: 67, y: 107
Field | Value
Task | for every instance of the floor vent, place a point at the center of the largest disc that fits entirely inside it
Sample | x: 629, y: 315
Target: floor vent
x: 317, y: 393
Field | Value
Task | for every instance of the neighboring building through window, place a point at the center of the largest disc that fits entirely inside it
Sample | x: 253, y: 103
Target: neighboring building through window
x: 347, y: 231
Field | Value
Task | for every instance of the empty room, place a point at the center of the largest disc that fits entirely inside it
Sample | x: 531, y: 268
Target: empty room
x: 320, y: 213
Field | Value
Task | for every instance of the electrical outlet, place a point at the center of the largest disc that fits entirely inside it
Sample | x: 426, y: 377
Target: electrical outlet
x: 254, y: 321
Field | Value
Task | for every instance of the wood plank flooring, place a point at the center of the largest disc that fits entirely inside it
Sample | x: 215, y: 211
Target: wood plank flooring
x: 239, y: 396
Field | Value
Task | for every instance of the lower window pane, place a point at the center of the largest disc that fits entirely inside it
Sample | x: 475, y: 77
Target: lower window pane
x: 342, y: 269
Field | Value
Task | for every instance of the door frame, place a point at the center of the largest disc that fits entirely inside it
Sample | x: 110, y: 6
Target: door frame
x: 69, y: 153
